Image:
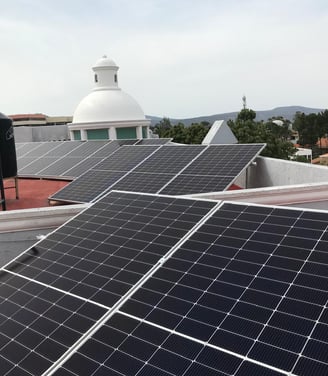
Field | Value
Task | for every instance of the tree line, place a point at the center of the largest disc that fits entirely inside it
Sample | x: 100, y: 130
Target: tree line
x: 311, y: 128
x: 194, y: 134
x: 245, y: 129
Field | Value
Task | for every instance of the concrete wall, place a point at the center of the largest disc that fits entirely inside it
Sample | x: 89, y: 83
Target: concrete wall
x: 42, y: 133
x: 270, y: 172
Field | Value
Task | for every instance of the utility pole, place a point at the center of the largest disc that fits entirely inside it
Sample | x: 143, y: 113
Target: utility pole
x: 244, y: 102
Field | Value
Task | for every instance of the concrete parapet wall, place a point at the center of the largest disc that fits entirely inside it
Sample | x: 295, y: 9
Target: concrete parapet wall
x: 270, y: 172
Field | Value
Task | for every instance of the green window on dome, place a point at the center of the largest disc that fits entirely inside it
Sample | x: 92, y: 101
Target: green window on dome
x: 97, y: 134
x: 77, y: 135
x: 126, y: 133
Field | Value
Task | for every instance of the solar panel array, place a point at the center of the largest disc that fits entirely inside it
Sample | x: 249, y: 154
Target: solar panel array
x: 143, y: 284
x: 167, y: 169
x: 68, y: 159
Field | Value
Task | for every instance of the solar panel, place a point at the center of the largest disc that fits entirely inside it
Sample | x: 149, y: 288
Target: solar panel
x: 191, y: 184
x: 103, y: 252
x: 167, y: 169
x: 179, y: 286
x: 36, y: 166
x: 170, y: 159
x: 154, y: 141
x: 126, y: 158
x: 39, y: 149
x: 89, y: 186
x: 63, y: 148
x: 214, y: 170
x: 23, y: 148
x: 232, y: 285
x: 38, y: 325
x: 143, y: 182
x: 54, y: 159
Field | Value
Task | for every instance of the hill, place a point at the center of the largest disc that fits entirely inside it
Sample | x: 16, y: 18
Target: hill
x: 287, y: 112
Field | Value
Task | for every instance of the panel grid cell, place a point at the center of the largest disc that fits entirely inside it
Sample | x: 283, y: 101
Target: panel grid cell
x: 38, y: 325
x: 143, y: 182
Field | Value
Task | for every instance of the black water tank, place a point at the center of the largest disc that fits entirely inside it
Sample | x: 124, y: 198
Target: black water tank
x: 7, y: 147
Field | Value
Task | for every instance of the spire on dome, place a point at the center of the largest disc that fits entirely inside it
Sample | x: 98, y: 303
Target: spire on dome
x: 105, y: 74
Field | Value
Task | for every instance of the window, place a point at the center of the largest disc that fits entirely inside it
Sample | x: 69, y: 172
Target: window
x: 115, y: 78
x: 96, y: 78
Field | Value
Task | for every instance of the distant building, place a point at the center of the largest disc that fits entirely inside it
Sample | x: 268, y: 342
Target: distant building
x: 34, y: 120
x: 108, y: 112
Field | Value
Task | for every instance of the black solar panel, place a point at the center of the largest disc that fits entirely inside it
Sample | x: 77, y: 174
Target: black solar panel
x: 81, y: 167
x: 62, y: 159
x: 102, y: 253
x: 189, y: 184
x: 143, y: 182
x: 38, y: 325
x: 36, y: 166
x: 224, y: 160
x: 214, y: 170
x: 167, y: 169
x: 126, y: 346
x: 154, y: 141
x: 39, y: 149
x: 231, y: 285
x: 63, y: 148
x: 24, y: 148
x: 60, y: 166
x: 89, y: 186
x: 126, y: 158
x: 170, y: 159
x: 157, y: 285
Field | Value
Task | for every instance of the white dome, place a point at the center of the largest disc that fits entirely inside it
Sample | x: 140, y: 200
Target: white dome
x: 107, y: 102
x: 104, y: 62
x: 107, y: 106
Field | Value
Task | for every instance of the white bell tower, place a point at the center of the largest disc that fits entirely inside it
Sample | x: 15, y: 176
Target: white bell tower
x: 105, y: 74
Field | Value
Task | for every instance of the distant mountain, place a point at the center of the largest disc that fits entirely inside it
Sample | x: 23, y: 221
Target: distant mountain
x: 287, y: 112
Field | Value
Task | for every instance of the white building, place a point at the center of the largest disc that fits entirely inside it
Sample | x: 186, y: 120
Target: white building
x: 108, y: 112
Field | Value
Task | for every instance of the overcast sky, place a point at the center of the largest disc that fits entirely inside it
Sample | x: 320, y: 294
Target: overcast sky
x: 177, y: 58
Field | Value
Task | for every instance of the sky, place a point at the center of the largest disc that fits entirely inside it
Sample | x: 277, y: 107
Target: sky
x: 177, y: 58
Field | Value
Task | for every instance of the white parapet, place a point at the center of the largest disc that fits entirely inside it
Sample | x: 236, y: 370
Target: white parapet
x: 29, y: 219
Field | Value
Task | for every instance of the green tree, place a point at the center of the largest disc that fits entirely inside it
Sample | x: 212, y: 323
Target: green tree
x: 322, y: 124
x: 247, y: 130
x: 163, y: 128
x: 196, y: 132
x: 307, y: 127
